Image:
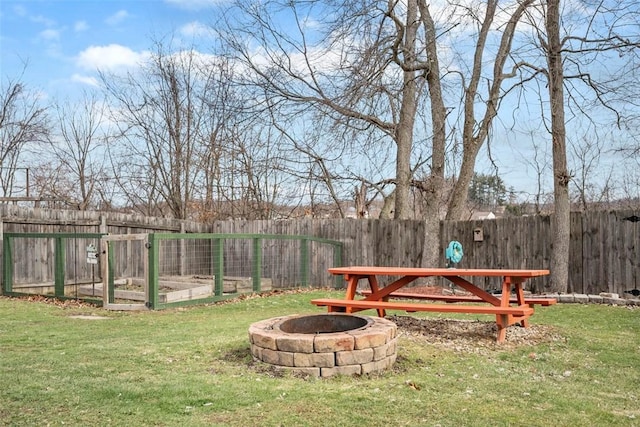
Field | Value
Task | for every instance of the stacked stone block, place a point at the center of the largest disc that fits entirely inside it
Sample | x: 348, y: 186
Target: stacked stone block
x: 372, y: 348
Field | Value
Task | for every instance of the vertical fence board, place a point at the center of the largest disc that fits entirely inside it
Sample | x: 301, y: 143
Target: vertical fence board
x: 576, y: 282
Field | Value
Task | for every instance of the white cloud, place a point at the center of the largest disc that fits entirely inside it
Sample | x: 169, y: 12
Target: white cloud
x: 50, y: 35
x: 194, y: 4
x: 80, y: 26
x: 310, y: 23
x: 117, y: 17
x: 111, y: 57
x: 20, y: 10
x: 196, y: 29
x: 87, y: 80
x: 39, y: 19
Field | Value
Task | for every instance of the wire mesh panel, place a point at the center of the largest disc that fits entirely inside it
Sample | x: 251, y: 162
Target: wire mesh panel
x: 283, y: 263
x: 50, y: 264
x: 127, y: 286
x: 33, y: 265
x: 82, y: 266
x: 204, y: 267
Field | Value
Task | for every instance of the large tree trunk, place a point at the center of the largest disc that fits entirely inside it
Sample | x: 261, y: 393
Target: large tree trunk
x: 458, y: 209
x: 406, y: 121
x: 404, y: 142
x: 432, y: 251
x: 561, y: 177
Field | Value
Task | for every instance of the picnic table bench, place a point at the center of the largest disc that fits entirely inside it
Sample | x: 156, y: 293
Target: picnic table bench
x: 544, y: 301
x: 377, y: 298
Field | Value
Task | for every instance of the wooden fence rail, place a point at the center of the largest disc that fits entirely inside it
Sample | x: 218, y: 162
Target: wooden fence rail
x: 604, y: 247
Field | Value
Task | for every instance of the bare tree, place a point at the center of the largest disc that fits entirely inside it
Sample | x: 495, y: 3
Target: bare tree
x: 170, y: 130
x: 251, y: 176
x: 596, y: 33
x: 592, y: 183
x: 366, y: 65
x: 155, y: 115
x: 235, y: 181
x: 561, y: 176
x: 188, y: 147
x: 629, y: 186
x: 435, y: 180
x: 24, y: 126
x: 328, y: 160
x: 342, y: 75
x: 540, y: 162
x: 74, y: 164
x: 475, y: 131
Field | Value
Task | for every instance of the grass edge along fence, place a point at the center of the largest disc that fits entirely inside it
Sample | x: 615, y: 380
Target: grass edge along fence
x: 152, y: 263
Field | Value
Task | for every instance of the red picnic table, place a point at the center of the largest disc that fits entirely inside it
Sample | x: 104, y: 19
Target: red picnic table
x: 509, y: 309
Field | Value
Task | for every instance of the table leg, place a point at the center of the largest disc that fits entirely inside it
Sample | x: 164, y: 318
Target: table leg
x: 506, y: 292
x: 375, y: 288
x: 352, y: 285
x: 502, y: 320
x: 373, y: 284
x: 519, y: 293
x: 520, y: 298
x: 507, y: 284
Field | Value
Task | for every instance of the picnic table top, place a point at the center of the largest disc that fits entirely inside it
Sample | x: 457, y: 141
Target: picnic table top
x: 420, y: 271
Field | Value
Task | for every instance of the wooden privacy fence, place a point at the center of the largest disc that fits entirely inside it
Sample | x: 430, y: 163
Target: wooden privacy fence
x: 604, y: 247
x: 604, y: 251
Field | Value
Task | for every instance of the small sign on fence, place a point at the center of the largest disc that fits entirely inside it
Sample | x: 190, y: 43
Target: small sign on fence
x: 92, y: 254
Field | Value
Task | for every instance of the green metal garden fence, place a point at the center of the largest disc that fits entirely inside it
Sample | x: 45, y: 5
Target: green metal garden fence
x: 92, y: 266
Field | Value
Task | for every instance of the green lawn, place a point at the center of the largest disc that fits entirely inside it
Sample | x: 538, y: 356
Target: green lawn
x: 191, y: 367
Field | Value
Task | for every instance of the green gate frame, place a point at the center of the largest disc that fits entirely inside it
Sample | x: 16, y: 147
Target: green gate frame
x: 59, y: 261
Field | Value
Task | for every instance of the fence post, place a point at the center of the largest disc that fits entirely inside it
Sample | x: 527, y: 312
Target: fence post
x: 304, y: 260
x: 7, y: 265
x: 218, y: 265
x: 182, y: 250
x: 337, y: 262
x: 111, y: 282
x: 153, y: 254
x: 256, y: 267
x: 59, y: 266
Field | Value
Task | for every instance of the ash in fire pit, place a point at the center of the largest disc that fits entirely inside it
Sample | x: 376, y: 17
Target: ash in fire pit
x: 325, y: 344
x: 322, y: 324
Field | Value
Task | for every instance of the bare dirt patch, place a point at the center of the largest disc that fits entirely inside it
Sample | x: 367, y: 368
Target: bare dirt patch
x: 62, y: 303
x: 89, y: 317
x: 471, y: 335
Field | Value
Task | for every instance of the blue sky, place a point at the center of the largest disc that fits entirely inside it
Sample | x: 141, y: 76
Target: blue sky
x: 64, y: 42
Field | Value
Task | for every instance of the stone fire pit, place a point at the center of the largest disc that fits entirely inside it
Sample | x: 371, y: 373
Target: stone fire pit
x: 323, y: 345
